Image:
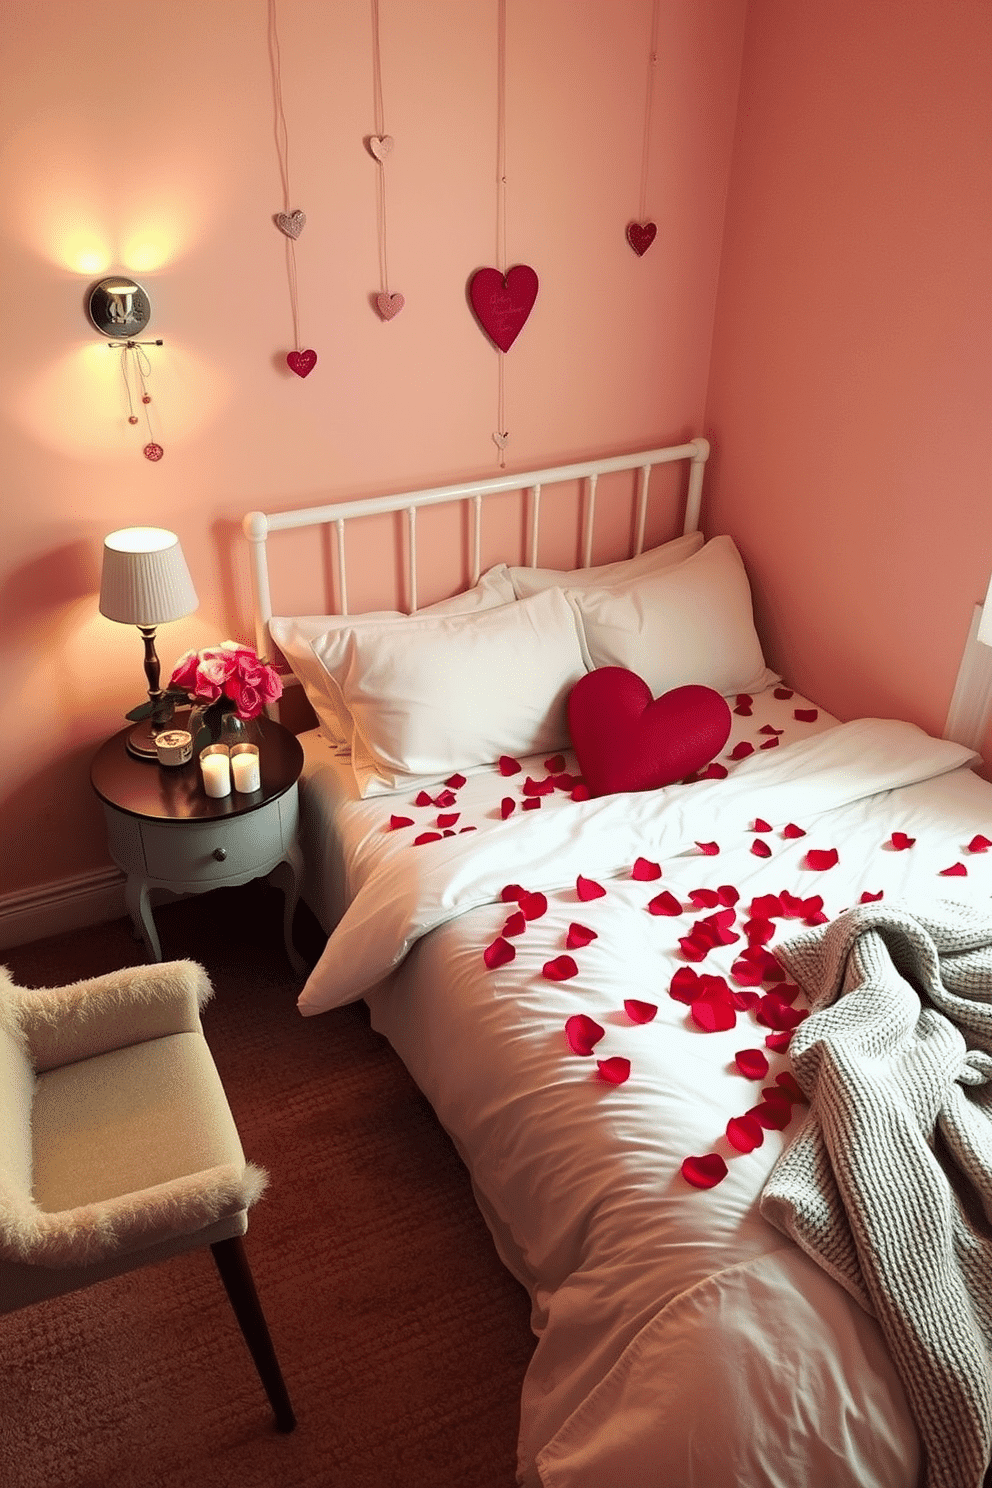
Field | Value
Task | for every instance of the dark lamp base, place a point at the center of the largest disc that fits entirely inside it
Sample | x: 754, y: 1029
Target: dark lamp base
x: 141, y: 741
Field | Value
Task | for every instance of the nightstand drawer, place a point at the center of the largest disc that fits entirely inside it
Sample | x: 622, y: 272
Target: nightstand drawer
x: 207, y: 852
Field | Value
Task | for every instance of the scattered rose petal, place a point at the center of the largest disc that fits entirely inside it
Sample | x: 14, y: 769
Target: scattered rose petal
x: 614, y: 1071
x: 790, y: 1085
x: 765, y: 906
x: 499, y: 953
x: 758, y: 932
x: 533, y: 906
x: 769, y: 728
x: 423, y: 799
x: 511, y: 892
x: 400, y: 821
x: 555, y: 764
x: 743, y: 700
x: 445, y: 799
x: 779, y: 1041
x: 769, y: 744
x: 708, y: 849
x: 900, y: 842
x: 744, y: 1133
x: 816, y: 919
x: 752, y: 1063
x: 581, y: 792
x: 979, y: 844
x: 793, y: 831
x: 448, y: 818
x: 455, y: 781
x: 782, y: 693
x: 728, y: 895
x: 665, y: 904
x: 760, y: 825
x: 704, y: 1172
x: 741, y: 751
x: 787, y: 992
x: 583, y: 1033
x: 773, y: 1013
x: 561, y: 969
x: 640, y: 1012
x: 713, y: 1010
x: 515, y: 925
x: 588, y: 888
x: 760, y: 848
x: 744, y: 1001
x: 714, y: 771
x: 532, y: 803
x: 704, y: 898
x: 806, y: 715
x: 538, y: 787
x: 426, y: 837
x: 747, y: 973
x: 644, y: 870
x: 867, y: 898
x: 565, y: 782
x: 448, y: 832
x: 508, y: 765
x: 821, y: 858
x: 956, y: 870
x: 773, y: 1115
x: 578, y: 936
x: 507, y: 807
x: 686, y: 985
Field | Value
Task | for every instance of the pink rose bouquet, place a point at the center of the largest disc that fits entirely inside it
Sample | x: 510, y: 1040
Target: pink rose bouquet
x: 230, y: 675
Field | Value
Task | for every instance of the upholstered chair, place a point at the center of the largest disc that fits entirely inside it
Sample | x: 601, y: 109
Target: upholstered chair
x: 117, y: 1145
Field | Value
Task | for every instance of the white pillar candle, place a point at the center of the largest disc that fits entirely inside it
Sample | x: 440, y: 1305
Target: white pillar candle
x: 216, y: 767
x: 245, y: 768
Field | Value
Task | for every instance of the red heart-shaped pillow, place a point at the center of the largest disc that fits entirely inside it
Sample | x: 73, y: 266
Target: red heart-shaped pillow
x: 626, y: 741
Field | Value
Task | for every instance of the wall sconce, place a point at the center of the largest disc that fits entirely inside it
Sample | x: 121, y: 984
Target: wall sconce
x: 118, y: 307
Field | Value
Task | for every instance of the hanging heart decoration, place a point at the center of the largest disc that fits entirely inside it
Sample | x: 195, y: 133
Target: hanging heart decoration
x: 153, y: 451
x: 291, y: 223
x: 389, y: 305
x: 380, y: 145
x: 502, y: 302
x: 640, y: 236
x: 499, y: 440
x: 301, y: 362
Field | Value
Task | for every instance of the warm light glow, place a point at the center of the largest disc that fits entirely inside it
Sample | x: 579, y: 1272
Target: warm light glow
x: 144, y: 252
x: 89, y: 259
x: 140, y: 540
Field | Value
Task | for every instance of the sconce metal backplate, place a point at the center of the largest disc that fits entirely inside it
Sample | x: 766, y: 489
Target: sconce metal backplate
x: 119, y: 307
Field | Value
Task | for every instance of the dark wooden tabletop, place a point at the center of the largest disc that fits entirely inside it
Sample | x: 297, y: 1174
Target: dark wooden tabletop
x: 175, y: 793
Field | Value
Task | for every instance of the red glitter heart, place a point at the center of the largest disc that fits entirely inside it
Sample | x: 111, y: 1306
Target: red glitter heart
x: 640, y: 236
x: 502, y: 303
x: 301, y: 362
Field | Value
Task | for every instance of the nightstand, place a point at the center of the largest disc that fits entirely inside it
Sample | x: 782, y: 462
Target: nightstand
x: 165, y: 832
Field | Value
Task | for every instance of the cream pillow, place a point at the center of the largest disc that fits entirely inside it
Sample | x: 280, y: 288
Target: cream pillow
x: 436, y: 693
x: 293, y: 634
x: 527, y: 581
x: 690, y: 623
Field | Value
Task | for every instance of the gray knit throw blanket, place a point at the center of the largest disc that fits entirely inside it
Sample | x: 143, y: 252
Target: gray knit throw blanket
x: 888, y: 1184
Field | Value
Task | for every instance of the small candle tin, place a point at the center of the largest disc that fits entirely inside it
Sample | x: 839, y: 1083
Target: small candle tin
x: 174, y: 747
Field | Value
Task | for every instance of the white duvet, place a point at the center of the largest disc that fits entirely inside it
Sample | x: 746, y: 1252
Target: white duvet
x: 681, y: 1340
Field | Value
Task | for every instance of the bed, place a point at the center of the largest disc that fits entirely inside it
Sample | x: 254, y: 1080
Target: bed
x: 602, y: 993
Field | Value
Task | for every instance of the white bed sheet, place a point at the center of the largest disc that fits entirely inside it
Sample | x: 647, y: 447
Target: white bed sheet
x: 682, y: 1341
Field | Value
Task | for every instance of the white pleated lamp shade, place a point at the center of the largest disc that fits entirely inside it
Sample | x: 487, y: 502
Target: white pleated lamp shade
x: 145, y: 579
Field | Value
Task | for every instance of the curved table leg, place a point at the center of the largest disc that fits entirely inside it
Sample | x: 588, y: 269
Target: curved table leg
x: 139, y: 907
x: 286, y: 876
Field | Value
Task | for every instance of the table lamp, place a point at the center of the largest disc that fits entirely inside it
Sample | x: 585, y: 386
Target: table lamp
x: 145, y: 582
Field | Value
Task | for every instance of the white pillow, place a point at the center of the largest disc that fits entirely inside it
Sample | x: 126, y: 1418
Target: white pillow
x: 527, y: 581
x: 293, y: 634
x: 691, y: 623
x: 437, y: 693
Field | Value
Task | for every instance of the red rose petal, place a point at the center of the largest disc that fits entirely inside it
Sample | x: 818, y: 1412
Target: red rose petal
x: 956, y: 870
x: 515, y: 925
x: 455, y: 781
x: 445, y: 799
x: 900, y: 842
x: 741, y: 751
x: 640, y: 1012
x: 867, y: 898
x: 782, y: 693
x: 508, y: 765
x: 511, y: 892
x: 426, y: 837
x: 708, y: 849
x: 760, y: 825
x: 533, y: 906
x: 614, y: 1071
x: 765, y: 907
x: 448, y: 818
x: 728, y: 895
x: 533, y: 787
x: 499, y: 953
x: 769, y: 728
x: 821, y: 858
x: 752, y: 1063
x: 714, y: 771
x: 779, y: 1041
x: 787, y: 992
x: 581, y: 792
x: 744, y: 1133
x: 744, y: 1001
x: 686, y: 985
x: 704, y: 898
x: 561, y: 969
x: 588, y: 888
x: 760, y: 849
x: 665, y: 904
x: 769, y: 744
x: 555, y: 764
x: 773, y: 1115
x: 790, y: 1085
x: 747, y: 973
x: 979, y: 844
x: 758, y: 932
x: 448, y: 832
x: 578, y: 936
x: 772, y: 1012
x: 704, y: 1172
x: 743, y: 700
x: 423, y: 799
x: 793, y: 831
x: 532, y: 803
x: 507, y: 807
x: 400, y: 821
x: 583, y: 1033
x: 644, y: 870
x: 713, y: 1010
x: 806, y: 715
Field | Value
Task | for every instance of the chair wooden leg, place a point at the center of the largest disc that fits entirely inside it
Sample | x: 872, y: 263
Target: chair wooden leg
x: 235, y: 1272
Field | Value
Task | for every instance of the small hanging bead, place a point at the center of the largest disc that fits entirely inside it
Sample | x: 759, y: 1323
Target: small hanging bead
x: 147, y: 398
x: 133, y: 419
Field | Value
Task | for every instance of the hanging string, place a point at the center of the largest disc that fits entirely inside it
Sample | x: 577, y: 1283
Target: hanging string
x: 501, y: 213
x: 648, y: 104
x: 281, y: 134
x: 380, y: 130
x: 136, y: 369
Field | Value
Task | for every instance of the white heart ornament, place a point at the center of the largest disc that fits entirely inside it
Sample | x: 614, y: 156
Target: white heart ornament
x: 380, y: 145
x: 389, y: 305
x: 499, y: 440
x: 291, y: 223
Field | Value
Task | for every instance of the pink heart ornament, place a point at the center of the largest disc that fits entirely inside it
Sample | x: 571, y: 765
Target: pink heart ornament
x: 640, y: 236
x: 502, y: 302
x: 499, y: 440
x: 380, y: 145
x: 291, y: 223
x: 389, y: 305
x: 301, y: 362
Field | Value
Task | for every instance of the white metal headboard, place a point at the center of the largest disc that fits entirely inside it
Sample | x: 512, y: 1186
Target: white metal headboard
x: 258, y: 525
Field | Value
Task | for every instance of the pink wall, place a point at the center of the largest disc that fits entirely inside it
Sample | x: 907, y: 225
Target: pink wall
x: 852, y: 361
x: 139, y: 136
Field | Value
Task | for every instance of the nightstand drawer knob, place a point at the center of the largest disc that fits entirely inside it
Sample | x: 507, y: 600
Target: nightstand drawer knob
x: 220, y: 853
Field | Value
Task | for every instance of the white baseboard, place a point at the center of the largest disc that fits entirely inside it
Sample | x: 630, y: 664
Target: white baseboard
x: 69, y: 904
